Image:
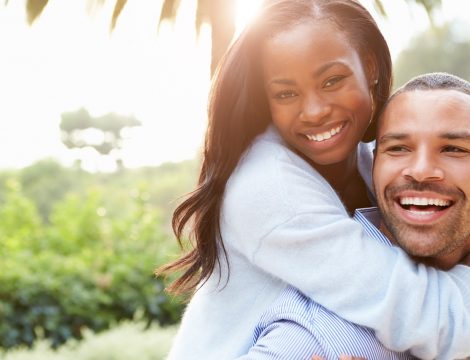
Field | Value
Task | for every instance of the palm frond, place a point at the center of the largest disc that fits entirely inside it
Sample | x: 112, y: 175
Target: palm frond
x: 203, y: 13
x: 379, y: 6
x: 117, y: 11
x: 34, y: 8
x: 430, y: 6
x: 169, y: 10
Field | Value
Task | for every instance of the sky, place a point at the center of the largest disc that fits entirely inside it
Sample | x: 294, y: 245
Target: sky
x: 68, y: 59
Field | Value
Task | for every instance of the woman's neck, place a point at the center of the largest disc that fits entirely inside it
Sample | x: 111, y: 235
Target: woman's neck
x: 344, y: 177
x: 339, y: 174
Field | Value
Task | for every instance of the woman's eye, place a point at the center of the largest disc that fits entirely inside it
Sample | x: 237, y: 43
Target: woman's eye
x: 286, y: 94
x: 333, y: 80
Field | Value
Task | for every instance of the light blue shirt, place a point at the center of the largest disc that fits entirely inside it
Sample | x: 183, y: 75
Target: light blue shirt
x: 296, y: 327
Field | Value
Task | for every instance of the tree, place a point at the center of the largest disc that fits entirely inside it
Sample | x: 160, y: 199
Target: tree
x: 219, y: 14
x: 429, y: 5
x: 104, y: 134
x: 438, y: 49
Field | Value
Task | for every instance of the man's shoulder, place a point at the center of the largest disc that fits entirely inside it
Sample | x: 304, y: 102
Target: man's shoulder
x: 331, y: 333
x: 292, y: 305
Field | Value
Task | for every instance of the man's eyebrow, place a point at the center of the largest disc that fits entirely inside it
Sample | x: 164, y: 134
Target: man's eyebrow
x: 457, y: 135
x: 392, y: 136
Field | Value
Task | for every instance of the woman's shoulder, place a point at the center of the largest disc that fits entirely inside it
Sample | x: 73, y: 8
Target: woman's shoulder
x: 271, y: 177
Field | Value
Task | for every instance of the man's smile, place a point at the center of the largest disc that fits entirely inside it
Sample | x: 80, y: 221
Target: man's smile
x: 426, y: 208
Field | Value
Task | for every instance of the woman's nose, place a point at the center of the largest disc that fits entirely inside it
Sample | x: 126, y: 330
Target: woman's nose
x: 314, y: 108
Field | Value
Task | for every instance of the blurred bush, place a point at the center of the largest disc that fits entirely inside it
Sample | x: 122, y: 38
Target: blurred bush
x: 86, y: 266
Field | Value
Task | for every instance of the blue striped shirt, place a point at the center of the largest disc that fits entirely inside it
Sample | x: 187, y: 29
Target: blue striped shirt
x: 296, y: 327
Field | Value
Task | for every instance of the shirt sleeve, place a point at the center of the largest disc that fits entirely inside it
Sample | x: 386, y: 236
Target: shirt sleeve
x: 289, y: 222
x: 285, y: 340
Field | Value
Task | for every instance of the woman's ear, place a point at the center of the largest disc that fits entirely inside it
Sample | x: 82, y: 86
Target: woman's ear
x: 371, y: 70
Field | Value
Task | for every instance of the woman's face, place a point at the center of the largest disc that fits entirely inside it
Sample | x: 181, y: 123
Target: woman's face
x: 318, y: 91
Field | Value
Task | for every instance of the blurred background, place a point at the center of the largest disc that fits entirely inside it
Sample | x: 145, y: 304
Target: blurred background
x: 102, y: 116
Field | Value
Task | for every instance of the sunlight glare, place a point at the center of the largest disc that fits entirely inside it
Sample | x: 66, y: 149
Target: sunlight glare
x: 245, y: 10
x: 68, y: 59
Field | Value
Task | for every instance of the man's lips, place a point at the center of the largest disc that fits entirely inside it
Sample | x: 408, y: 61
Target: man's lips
x: 422, y: 207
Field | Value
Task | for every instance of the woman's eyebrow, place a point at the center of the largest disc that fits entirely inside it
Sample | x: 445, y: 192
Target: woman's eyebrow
x: 281, y: 81
x: 327, y: 66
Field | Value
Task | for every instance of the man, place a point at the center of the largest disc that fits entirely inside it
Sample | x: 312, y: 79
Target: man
x: 422, y: 184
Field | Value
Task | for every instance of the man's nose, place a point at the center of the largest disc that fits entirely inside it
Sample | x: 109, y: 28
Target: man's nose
x: 423, y: 167
x: 315, y: 108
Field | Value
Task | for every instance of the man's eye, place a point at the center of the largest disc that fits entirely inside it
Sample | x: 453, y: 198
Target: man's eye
x: 454, y: 149
x: 396, y: 149
x: 286, y: 94
x: 333, y: 81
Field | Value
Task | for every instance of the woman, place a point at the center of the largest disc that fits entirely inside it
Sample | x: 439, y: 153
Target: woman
x: 290, y: 103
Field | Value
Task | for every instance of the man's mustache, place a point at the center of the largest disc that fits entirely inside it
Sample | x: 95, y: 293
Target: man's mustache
x: 413, y: 185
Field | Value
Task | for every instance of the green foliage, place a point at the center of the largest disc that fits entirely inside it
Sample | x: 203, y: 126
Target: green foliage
x: 46, y: 182
x: 90, y: 265
x: 19, y: 221
x: 443, y: 48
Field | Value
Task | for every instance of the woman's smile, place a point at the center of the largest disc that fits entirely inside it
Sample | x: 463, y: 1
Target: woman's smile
x: 325, y: 135
x: 318, y: 91
x: 324, y: 142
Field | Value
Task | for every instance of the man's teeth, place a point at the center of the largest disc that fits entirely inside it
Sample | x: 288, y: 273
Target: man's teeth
x: 423, y: 201
x: 324, y: 135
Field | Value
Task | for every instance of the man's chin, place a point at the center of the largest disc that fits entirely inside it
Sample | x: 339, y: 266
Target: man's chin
x: 420, y: 244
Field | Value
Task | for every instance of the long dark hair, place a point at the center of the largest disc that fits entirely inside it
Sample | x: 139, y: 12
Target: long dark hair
x: 238, y: 112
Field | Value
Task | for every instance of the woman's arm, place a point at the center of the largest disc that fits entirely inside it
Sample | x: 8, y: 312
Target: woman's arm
x: 289, y: 222
x: 409, y: 306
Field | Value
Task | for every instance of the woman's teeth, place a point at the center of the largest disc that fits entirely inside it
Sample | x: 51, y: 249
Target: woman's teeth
x: 325, y: 135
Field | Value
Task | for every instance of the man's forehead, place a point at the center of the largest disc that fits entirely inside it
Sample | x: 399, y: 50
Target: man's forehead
x: 446, y: 107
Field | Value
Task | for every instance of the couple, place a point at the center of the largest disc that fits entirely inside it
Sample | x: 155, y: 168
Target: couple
x: 286, y: 162
x: 421, y: 177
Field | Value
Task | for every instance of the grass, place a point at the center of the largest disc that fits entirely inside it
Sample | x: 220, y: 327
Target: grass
x: 124, y: 342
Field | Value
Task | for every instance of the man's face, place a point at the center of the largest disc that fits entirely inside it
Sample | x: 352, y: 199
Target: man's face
x: 422, y: 174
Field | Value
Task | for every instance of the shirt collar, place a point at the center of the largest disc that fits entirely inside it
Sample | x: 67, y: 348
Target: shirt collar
x: 370, y: 219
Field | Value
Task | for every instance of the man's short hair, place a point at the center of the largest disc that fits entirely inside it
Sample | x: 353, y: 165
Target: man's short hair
x: 431, y: 81
x: 435, y: 81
